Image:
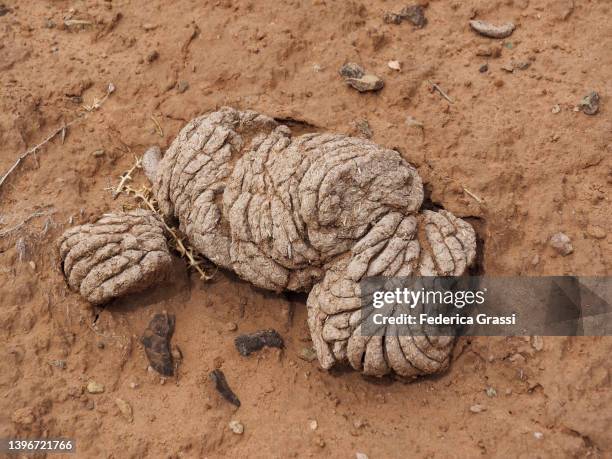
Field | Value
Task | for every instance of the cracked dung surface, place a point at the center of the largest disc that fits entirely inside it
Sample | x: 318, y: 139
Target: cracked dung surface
x: 120, y: 253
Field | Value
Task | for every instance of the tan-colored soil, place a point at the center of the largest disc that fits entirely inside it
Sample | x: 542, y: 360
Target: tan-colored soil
x: 537, y: 169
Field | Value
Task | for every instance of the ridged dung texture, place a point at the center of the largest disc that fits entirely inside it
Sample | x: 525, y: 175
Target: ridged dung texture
x: 120, y: 253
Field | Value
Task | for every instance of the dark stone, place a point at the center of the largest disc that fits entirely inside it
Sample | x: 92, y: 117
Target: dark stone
x: 246, y: 344
x: 590, y: 103
x: 351, y: 70
x: 156, y: 341
x: 483, y: 68
x: 415, y: 14
x: 218, y: 378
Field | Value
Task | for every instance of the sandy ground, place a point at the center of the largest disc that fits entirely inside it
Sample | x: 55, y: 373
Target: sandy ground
x: 536, y: 168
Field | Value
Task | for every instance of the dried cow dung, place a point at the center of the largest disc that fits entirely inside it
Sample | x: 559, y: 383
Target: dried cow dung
x: 247, y: 344
x: 156, y: 341
x: 218, y: 378
x: 120, y: 253
x: 316, y: 212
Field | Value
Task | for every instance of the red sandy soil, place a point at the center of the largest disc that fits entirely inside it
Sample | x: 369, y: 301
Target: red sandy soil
x: 536, y: 172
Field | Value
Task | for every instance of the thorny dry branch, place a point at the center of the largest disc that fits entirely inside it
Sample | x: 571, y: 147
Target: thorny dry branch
x: 145, y: 195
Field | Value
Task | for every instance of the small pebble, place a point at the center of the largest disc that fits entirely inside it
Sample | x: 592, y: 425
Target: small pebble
x: 556, y: 109
x: 134, y: 385
x: 182, y: 86
x: 483, y: 68
x: 590, y: 103
x: 94, y: 387
x: 236, y: 427
x: 308, y: 354
x: 538, y: 435
x: 125, y: 408
x: 231, y: 326
x: 361, y: 455
x: 561, y: 243
x: 478, y: 408
x: 351, y: 70
x: 491, y: 392
x: 313, y: 424
x: 366, y: 83
x: 394, y: 65
x: 152, y: 56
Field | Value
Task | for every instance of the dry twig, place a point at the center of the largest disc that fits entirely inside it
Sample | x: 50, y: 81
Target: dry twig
x: 440, y: 90
x: 12, y: 229
x: 145, y: 195
x: 61, y: 130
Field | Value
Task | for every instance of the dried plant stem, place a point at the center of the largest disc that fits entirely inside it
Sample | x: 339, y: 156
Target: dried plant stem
x: 144, y: 195
x: 12, y: 229
x: 62, y: 129
x: 441, y: 91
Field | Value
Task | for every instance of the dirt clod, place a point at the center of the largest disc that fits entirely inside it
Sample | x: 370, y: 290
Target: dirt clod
x: 247, y: 344
x: 156, y: 342
x: 218, y: 378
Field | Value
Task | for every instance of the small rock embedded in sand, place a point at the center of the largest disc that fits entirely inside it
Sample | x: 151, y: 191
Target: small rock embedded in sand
x: 489, y: 51
x: 313, y: 424
x: 125, y: 408
x: 556, y: 109
x: 538, y: 435
x: 152, y: 56
x: 231, y: 326
x: 182, y: 86
x: 513, y: 65
x: 415, y: 14
x: 355, y: 76
x: 351, y: 70
x: 590, y: 103
x: 478, y: 408
x: 361, y: 455
x: 363, y: 128
x: 134, y: 385
x: 394, y: 65
x: 156, y: 341
x: 94, y: 387
x: 218, y: 378
x: 236, y: 427
x: 491, y: 392
x: 308, y: 354
x: 366, y: 83
x: 247, y: 344
x: 483, y: 68
x: 4, y: 10
x: 561, y: 243
x: 491, y: 30
x: 596, y: 232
